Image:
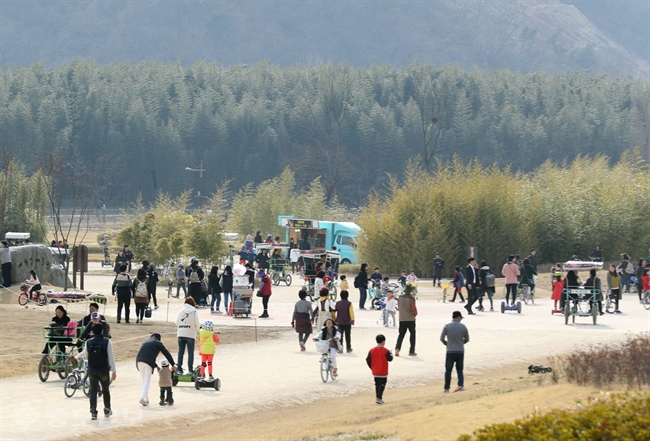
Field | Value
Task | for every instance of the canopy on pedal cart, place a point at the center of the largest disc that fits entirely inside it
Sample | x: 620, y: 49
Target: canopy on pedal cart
x: 74, y: 297
x: 581, y: 265
x: 309, y: 259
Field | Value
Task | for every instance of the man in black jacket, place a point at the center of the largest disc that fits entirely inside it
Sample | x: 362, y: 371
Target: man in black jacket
x: 128, y: 256
x: 471, y: 283
x: 146, y: 363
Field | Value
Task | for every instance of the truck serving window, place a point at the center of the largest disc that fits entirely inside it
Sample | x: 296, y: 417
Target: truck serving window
x: 347, y: 240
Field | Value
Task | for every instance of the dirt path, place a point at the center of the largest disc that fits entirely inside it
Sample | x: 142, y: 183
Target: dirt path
x: 262, y: 376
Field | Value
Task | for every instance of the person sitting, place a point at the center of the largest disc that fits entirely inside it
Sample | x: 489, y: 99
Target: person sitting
x: 262, y: 260
x: 58, y: 325
x: 93, y: 307
x: 572, y: 281
x: 95, y: 317
x: 594, y: 282
x: 34, y: 283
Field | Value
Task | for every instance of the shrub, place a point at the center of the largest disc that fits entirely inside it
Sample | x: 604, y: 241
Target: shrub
x: 627, y: 363
x: 621, y: 417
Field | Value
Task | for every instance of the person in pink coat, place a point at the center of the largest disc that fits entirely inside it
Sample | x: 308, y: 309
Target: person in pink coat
x: 511, y: 272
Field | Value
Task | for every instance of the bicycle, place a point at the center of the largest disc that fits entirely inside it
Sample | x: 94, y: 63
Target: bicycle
x: 78, y: 379
x: 326, y: 368
x: 646, y: 300
x: 24, y: 298
x: 526, y: 294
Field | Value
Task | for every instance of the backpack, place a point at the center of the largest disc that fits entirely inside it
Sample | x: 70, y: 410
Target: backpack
x: 141, y: 290
x: 98, y: 354
x: 356, y: 282
x: 194, y: 276
x: 629, y: 269
x: 489, y: 280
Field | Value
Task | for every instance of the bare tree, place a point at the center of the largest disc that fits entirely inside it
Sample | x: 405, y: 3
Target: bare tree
x: 434, y: 101
x: 325, y: 103
x: 72, y: 189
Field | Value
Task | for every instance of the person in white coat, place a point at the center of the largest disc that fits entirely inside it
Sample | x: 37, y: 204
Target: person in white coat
x: 188, y: 326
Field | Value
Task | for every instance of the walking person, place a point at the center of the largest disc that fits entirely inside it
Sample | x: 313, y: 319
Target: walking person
x: 265, y: 291
x: 455, y: 335
x: 487, y: 281
x: 377, y: 360
x: 626, y: 269
x: 361, y: 283
x: 180, y: 280
x: 471, y: 284
x: 532, y: 258
x: 294, y: 256
x: 165, y: 384
x: 194, y: 275
x: 301, y: 320
x: 5, y: 261
x: 101, y: 362
x: 438, y: 269
x: 345, y: 319
x: 146, y: 362
x: 407, y: 312
x: 638, y: 273
x: 128, y: 256
x: 140, y: 294
x: 214, y: 288
x: 188, y: 324
x: 458, y: 282
x: 123, y: 289
x: 152, y: 284
x: 614, y: 285
x: 225, y: 282
x: 511, y: 272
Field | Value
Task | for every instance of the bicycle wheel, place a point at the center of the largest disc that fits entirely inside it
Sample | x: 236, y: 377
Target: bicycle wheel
x: 376, y: 304
x: 567, y: 311
x: 532, y: 297
x: 646, y: 300
x: 42, y: 299
x: 324, y: 368
x: 70, y: 385
x: 525, y: 294
x: 333, y: 293
x: 331, y: 370
x: 610, y: 307
x: 70, y: 365
x: 23, y: 299
x: 86, y: 387
x: 275, y: 279
x: 44, y: 368
x: 287, y: 279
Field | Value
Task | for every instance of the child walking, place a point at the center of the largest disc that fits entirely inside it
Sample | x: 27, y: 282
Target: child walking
x: 165, y: 384
x: 343, y: 285
x: 389, y: 310
x: 208, y: 340
x: 459, y: 282
x: 558, y: 286
x: 378, y: 359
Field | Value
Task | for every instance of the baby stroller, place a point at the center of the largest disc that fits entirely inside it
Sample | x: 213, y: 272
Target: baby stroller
x: 202, y: 298
x: 374, y: 294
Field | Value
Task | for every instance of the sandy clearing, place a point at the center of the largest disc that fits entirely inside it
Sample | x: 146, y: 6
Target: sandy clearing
x: 273, y: 372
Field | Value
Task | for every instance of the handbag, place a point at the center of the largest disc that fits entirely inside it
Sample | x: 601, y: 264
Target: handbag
x: 259, y: 293
x: 147, y: 312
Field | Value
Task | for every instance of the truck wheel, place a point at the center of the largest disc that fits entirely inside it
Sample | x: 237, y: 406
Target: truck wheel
x: 345, y: 262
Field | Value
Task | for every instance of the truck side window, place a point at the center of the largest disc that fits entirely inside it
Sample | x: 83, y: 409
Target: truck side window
x: 347, y: 240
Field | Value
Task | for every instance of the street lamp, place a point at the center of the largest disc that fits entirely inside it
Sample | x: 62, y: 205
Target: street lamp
x: 200, y: 170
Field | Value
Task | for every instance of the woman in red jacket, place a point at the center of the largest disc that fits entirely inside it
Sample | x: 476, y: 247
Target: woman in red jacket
x: 265, y: 291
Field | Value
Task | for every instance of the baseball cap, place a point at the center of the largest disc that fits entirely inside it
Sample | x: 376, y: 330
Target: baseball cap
x: 95, y: 315
x: 164, y: 363
x: 457, y: 314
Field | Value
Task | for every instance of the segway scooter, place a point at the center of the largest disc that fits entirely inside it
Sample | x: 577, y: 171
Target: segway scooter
x: 515, y: 307
x: 194, y: 377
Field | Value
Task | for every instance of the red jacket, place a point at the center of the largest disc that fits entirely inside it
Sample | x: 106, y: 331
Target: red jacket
x: 646, y: 283
x: 266, y: 289
x: 377, y: 359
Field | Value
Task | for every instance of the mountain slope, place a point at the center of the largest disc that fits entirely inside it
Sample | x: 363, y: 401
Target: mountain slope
x: 520, y: 35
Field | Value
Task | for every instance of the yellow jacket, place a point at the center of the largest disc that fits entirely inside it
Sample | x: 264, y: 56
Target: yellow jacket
x: 207, y: 342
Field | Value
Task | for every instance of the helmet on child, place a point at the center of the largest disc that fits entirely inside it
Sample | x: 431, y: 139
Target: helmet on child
x: 207, y: 325
x: 558, y: 274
